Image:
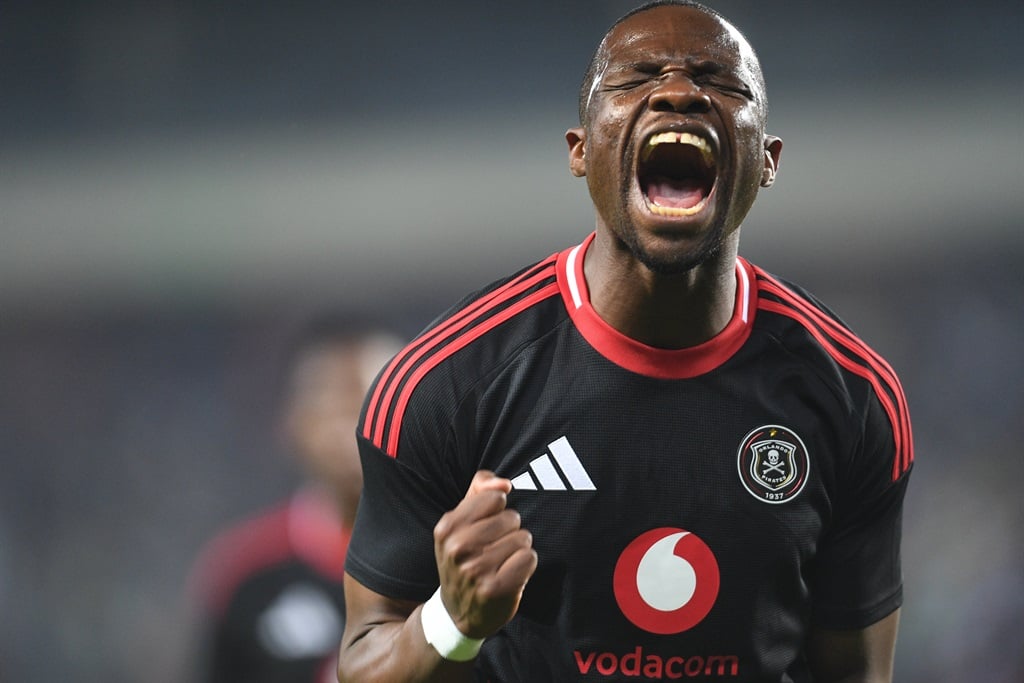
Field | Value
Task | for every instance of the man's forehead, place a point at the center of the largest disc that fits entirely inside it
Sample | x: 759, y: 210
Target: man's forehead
x: 677, y: 33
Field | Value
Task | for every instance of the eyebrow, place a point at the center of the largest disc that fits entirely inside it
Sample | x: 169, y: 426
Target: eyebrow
x: 648, y: 64
x: 710, y: 66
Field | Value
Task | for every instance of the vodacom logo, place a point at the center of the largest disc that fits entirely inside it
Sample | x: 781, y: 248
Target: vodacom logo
x: 666, y: 580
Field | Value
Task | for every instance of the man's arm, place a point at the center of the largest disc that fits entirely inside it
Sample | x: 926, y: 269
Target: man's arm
x: 384, y: 642
x: 855, y: 656
x: 484, y: 560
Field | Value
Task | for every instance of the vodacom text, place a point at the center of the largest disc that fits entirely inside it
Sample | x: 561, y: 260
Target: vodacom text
x: 655, y: 667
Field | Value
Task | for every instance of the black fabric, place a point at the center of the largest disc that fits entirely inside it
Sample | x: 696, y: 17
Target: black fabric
x: 395, y: 516
x: 239, y: 648
x: 662, y: 454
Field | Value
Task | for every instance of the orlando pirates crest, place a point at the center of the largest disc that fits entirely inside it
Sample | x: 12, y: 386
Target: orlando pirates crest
x: 773, y: 464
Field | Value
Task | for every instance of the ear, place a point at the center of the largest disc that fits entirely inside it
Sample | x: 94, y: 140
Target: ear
x: 772, y: 150
x: 576, y: 137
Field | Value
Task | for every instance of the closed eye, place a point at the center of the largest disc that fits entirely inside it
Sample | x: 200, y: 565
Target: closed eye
x: 626, y: 84
x: 718, y: 75
x: 726, y: 86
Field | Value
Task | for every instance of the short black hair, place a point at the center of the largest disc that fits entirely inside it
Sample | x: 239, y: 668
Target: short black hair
x: 591, y: 73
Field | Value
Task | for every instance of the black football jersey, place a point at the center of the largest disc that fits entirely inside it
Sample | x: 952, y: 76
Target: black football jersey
x: 272, y: 597
x: 694, y: 511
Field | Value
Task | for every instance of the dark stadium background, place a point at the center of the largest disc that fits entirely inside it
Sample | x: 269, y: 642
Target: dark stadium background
x: 181, y: 182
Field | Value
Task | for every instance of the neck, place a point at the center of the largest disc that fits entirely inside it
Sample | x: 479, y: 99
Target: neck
x: 664, y: 311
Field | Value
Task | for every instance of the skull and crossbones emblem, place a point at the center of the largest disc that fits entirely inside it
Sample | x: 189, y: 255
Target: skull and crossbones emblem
x: 773, y: 463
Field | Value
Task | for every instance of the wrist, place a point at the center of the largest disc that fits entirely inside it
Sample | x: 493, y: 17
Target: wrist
x: 442, y: 633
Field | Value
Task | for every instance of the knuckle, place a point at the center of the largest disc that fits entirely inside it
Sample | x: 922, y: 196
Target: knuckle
x: 456, y: 548
x: 471, y: 571
x: 443, y: 526
x: 487, y: 591
x: 506, y: 523
x: 494, y: 499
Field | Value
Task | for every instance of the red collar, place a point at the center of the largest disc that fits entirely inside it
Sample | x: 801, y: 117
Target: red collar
x: 648, y: 360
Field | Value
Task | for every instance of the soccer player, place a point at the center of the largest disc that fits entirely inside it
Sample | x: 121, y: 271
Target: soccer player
x: 271, y: 587
x: 644, y: 457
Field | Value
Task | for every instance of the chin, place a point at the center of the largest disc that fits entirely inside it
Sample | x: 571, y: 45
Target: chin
x: 675, y: 264
x: 668, y: 254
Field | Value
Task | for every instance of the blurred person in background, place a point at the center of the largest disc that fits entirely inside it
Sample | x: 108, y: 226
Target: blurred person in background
x: 269, y: 589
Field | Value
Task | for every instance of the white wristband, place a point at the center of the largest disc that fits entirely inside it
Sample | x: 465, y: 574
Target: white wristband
x: 444, y: 635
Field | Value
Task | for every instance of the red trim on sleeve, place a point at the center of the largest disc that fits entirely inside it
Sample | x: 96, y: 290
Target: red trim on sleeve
x: 858, y: 358
x: 459, y: 343
x: 390, y: 397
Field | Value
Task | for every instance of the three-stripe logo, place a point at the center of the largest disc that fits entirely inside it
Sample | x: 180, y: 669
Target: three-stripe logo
x: 543, y: 473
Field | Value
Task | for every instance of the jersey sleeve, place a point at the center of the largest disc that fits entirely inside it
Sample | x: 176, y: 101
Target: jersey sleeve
x: 857, y: 578
x: 408, y: 482
x: 392, y: 547
x: 419, y: 432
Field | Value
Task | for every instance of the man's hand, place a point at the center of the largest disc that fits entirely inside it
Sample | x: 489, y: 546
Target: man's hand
x: 484, y: 558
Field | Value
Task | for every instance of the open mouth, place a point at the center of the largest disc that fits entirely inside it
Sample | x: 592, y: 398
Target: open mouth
x: 676, y: 173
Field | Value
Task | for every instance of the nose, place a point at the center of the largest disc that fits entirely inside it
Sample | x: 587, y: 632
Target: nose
x: 678, y: 93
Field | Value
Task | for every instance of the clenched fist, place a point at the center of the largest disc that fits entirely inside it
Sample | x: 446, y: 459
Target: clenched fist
x: 484, y: 557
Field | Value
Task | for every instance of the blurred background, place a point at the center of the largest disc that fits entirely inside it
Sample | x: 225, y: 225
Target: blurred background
x: 183, y: 182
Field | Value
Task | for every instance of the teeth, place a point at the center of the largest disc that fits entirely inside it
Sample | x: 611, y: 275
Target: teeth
x: 670, y: 137
x: 675, y: 212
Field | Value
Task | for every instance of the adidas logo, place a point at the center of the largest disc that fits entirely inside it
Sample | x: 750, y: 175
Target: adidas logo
x: 544, y: 472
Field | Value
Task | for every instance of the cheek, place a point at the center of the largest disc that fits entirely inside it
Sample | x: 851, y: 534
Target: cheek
x: 606, y: 154
x: 749, y: 128
x: 750, y: 144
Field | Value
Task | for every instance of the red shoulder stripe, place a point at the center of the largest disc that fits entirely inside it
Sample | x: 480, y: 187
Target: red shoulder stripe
x: 856, y: 346
x: 809, y: 316
x: 400, y: 376
x: 846, y: 362
x: 461, y: 342
x: 890, y: 396
x: 775, y: 287
x: 376, y: 414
